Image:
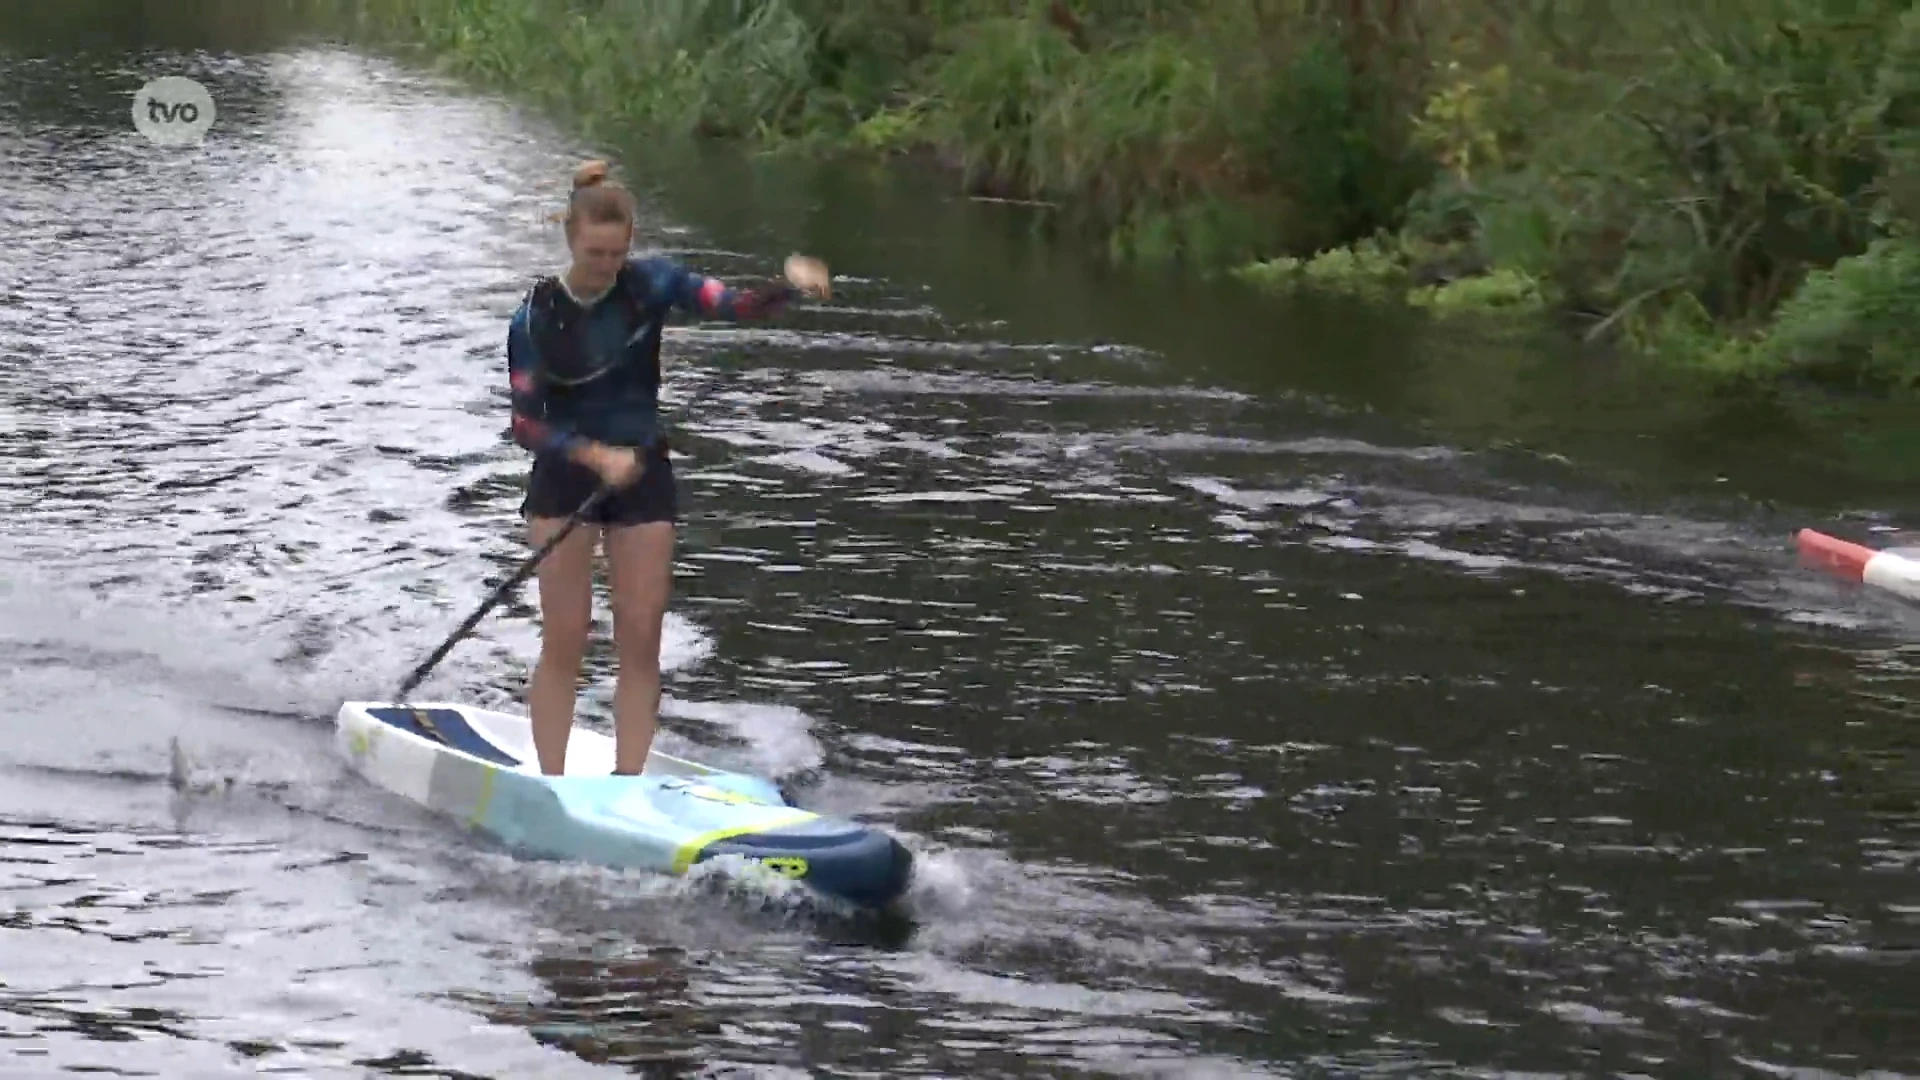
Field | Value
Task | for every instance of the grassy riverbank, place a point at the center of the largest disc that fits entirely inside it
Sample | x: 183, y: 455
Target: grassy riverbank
x: 1726, y: 185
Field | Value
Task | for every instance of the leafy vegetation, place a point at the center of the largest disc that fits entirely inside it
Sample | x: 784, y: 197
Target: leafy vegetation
x: 1729, y: 185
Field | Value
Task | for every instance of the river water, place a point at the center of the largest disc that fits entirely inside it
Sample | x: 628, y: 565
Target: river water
x: 1244, y: 723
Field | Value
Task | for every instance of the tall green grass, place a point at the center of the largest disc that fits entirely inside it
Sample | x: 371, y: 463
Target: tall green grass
x: 720, y: 67
x: 1210, y: 133
x: 1726, y: 183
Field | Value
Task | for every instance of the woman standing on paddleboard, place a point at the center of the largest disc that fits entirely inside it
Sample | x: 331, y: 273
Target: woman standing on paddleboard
x: 583, y: 354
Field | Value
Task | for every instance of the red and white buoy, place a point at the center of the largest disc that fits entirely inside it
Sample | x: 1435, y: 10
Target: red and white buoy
x: 1889, y: 570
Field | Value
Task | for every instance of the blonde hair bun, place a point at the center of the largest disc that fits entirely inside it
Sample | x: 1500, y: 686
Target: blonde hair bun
x: 590, y: 173
x: 597, y: 197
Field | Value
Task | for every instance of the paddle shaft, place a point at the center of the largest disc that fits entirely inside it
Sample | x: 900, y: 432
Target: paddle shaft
x: 525, y: 571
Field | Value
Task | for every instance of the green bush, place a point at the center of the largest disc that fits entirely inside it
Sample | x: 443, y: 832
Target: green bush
x: 1853, y: 323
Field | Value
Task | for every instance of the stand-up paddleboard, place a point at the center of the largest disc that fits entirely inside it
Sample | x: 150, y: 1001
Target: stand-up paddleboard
x: 1891, y: 571
x: 478, y: 766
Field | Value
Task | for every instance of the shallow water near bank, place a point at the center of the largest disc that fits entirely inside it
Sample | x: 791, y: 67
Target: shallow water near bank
x: 1239, y: 731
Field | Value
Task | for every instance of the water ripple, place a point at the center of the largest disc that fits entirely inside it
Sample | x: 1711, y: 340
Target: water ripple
x: 1232, y: 736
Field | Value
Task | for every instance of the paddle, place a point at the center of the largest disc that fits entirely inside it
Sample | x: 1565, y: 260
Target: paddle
x: 526, y: 570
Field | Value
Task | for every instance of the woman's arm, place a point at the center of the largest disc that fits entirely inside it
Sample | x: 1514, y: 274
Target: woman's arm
x: 715, y: 299
x: 531, y: 428
x: 709, y: 297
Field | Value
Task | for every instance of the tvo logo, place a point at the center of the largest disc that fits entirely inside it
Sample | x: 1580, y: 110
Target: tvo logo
x: 173, y: 111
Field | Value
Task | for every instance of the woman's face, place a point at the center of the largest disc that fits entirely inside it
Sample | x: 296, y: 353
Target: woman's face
x: 599, y: 248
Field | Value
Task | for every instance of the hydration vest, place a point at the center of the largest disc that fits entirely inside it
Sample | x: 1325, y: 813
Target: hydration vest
x: 557, y: 326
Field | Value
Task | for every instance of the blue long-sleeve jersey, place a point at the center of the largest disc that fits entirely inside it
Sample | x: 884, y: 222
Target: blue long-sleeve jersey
x: 594, y: 373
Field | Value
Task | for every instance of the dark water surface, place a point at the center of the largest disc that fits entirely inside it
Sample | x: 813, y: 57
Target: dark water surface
x: 1243, y: 725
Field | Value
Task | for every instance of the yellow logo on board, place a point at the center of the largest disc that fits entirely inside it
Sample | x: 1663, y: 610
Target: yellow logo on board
x: 714, y: 794
x: 705, y: 791
x: 786, y: 866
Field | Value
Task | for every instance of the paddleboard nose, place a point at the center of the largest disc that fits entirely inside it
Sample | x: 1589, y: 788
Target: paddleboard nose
x: 866, y: 867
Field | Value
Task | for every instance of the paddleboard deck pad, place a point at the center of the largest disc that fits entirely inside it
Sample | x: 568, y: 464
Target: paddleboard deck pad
x: 478, y: 767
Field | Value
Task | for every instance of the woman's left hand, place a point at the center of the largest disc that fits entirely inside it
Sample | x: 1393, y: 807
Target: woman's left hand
x: 810, y: 276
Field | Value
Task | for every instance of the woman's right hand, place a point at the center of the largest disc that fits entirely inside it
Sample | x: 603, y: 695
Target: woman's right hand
x: 617, y: 465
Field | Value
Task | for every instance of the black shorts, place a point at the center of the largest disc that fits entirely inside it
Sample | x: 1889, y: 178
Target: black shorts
x: 557, y: 486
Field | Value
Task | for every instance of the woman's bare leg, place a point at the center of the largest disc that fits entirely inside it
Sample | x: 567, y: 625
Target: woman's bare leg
x: 641, y: 560
x: 566, y: 617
